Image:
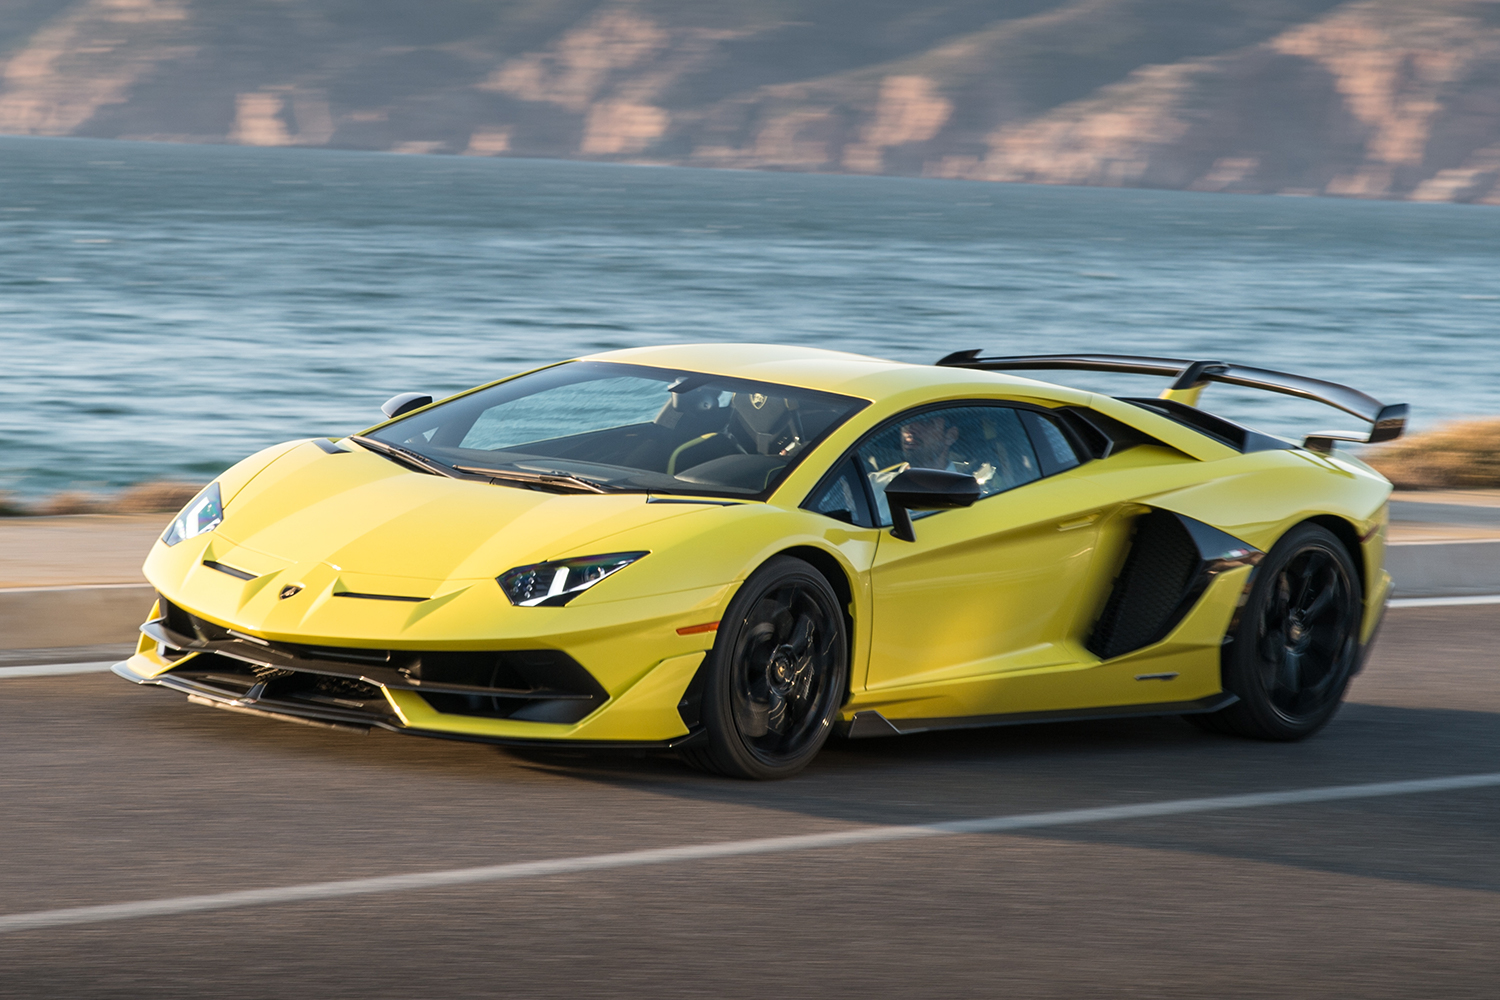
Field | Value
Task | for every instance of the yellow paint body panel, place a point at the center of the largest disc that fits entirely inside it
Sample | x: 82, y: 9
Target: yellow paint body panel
x: 986, y: 613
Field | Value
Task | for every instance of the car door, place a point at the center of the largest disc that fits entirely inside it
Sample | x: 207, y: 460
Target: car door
x: 988, y: 592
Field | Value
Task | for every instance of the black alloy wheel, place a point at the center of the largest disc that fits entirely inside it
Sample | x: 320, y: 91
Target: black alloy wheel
x: 776, y: 675
x: 1296, y: 645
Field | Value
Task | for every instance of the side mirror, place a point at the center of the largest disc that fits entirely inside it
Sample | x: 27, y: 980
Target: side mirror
x: 927, y: 489
x: 405, y: 403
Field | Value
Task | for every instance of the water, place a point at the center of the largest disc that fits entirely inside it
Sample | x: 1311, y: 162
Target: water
x: 165, y: 310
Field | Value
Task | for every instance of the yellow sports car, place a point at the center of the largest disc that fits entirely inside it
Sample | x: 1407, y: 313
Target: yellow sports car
x: 733, y: 551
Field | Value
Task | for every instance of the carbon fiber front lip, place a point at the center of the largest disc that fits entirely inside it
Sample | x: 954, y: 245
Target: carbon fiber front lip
x: 268, y: 706
x: 344, y: 719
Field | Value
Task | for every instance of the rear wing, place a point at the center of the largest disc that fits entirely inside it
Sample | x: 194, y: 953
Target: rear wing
x: 1190, y: 378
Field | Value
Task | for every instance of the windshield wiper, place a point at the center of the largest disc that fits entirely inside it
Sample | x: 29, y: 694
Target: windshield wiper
x: 405, y: 456
x: 554, y: 480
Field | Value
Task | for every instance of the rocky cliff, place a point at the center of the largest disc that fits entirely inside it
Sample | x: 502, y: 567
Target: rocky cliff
x: 1377, y: 98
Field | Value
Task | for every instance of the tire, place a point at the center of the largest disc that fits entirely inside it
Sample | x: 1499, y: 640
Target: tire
x: 776, y: 675
x: 1296, y: 645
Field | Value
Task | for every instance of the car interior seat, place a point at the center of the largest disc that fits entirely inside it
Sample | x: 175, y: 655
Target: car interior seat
x: 696, y: 426
x: 764, y: 425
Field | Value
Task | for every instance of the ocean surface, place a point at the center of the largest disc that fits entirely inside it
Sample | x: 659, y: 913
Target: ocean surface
x: 168, y: 309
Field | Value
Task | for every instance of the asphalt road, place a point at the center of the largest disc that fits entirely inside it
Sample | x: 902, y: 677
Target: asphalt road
x: 111, y: 793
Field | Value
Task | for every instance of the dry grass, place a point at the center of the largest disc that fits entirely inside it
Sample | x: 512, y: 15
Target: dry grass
x: 68, y: 502
x: 1463, y: 455
x: 146, y: 498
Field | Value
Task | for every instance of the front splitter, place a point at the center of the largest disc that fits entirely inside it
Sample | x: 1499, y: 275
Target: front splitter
x: 332, y: 718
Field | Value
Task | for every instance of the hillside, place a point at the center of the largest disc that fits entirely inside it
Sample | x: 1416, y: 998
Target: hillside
x: 1379, y: 98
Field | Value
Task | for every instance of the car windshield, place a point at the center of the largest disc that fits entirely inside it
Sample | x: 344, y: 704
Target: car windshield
x: 627, y: 427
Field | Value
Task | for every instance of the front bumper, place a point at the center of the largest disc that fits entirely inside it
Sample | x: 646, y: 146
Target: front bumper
x: 521, y: 697
x: 362, y: 721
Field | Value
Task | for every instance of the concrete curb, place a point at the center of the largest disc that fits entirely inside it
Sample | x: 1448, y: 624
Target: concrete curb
x: 46, y: 617
x: 1445, y: 569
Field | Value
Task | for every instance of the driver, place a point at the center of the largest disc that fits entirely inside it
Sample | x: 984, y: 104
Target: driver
x: 927, y: 442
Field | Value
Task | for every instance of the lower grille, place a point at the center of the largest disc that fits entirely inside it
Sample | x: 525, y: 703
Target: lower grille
x: 299, y: 692
x: 543, y: 685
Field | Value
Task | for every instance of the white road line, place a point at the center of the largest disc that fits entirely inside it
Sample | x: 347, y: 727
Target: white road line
x: 1444, y: 602
x: 54, y: 669
x: 42, y: 919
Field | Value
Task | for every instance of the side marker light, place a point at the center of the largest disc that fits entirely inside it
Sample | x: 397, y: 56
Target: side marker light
x: 698, y: 629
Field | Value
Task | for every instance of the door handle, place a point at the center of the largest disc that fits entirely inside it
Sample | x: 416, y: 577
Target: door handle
x: 1078, y: 522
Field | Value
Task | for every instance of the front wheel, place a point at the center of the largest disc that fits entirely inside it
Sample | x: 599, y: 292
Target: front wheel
x: 776, y: 675
x: 1297, y: 642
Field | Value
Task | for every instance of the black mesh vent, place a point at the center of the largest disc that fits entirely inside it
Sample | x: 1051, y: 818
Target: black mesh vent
x: 1159, y: 568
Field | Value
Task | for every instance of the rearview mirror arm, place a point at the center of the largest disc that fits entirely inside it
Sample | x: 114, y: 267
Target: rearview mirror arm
x: 901, y: 523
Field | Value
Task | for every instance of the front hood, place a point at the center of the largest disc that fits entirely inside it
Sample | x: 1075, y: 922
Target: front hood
x: 364, y: 516
x: 312, y: 534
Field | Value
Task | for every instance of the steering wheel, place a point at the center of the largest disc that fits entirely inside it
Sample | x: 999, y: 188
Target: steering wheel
x: 693, y: 443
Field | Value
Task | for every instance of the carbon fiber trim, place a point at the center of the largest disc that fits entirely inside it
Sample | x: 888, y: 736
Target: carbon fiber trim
x: 869, y: 723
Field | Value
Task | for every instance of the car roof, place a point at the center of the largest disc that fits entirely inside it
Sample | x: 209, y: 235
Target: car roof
x: 830, y: 371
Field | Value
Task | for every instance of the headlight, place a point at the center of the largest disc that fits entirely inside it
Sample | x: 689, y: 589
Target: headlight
x: 203, y: 514
x: 553, y: 584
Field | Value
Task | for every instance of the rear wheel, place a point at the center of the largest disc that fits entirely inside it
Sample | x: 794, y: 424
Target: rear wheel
x: 776, y: 675
x: 1297, y: 642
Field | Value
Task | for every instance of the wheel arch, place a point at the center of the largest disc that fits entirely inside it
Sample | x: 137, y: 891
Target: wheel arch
x: 1348, y: 536
x: 714, y: 743
x: 838, y: 578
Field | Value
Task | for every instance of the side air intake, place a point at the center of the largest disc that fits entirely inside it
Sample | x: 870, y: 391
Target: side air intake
x: 1171, y: 561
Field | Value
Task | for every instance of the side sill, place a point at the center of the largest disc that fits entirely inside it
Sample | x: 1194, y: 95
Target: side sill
x: 869, y: 723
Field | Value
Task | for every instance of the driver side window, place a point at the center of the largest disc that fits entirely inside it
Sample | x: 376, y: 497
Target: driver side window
x: 1001, y: 446
x: 986, y: 442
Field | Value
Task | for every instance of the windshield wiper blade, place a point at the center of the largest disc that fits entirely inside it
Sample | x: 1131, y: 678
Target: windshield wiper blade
x: 557, y: 480
x: 405, y: 456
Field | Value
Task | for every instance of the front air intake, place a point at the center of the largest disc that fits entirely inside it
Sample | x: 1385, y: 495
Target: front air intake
x: 529, y: 685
